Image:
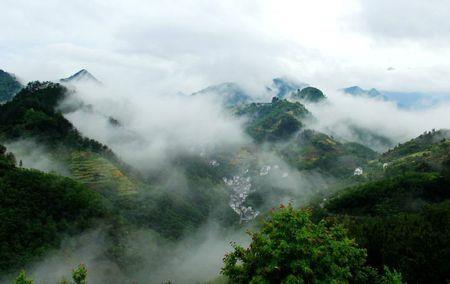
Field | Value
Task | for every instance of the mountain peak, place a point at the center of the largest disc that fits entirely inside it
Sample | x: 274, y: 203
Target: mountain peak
x: 284, y: 87
x: 81, y: 76
x: 231, y: 94
x: 358, y: 91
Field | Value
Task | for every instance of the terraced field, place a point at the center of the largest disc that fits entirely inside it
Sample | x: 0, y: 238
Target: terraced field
x: 99, y: 173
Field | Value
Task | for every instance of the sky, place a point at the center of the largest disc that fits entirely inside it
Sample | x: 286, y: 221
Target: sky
x: 182, y: 46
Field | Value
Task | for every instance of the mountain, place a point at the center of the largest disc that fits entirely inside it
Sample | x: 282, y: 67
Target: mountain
x: 38, y: 210
x: 357, y: 91
x: 396, y: 205
x: 402, y: 99
x: 230, y: 94
x: 309, y: 94
x: 273, y: 121
x: 401, y: 215
x: 33, y: 115
x: 82, y: 76
x: 282, y: 87
x: 416, y: 99
x: 9, y: 86
x: 281, y: 122
x: 313, y: 150
x: 418, y: 144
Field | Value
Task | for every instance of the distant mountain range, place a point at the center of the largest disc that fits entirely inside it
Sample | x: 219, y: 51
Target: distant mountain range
x: 232, y: 94
x: 402, y: 99
x: 357, y: 91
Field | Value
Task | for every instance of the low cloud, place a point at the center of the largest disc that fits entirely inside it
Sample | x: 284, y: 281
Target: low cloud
x: 148, y: 257
x: 150, y: 130
x: 31, y: 154
x: 342, y: 114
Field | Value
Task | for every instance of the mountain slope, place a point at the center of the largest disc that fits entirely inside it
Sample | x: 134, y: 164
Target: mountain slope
x: 309, y: 94
x: 32, y: 114
x: 312, y: 150
x: 273, y: 121
x: 429, y: 152
x: 37, y: 210
x: 403, y: 222
x: 9, y: 86
x: 402, y: 217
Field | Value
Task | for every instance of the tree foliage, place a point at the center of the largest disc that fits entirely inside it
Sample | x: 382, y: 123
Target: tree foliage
x: 37, y: 209
x: 403, y: 222
x: 290, y: 248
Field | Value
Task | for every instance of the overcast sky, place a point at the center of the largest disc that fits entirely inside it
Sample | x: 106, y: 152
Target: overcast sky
x: 183, y: 46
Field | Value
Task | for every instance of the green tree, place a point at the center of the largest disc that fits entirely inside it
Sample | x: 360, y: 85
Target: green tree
x: 22, y: 278
x: 290, y: 248
x: 79, y: 274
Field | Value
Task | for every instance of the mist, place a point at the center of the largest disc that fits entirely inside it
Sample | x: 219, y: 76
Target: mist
x: 196, y: 258
x: 149, y: 131
x: 31, y: 154
x: 341, y: 114
x: 152, y: 129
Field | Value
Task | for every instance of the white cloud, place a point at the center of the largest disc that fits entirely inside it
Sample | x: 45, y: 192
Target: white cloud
x: 185, y: 45
x: 341, y: 113
x: 154, y: 128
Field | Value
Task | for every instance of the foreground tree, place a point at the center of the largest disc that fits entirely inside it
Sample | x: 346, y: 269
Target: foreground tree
x: 290, y: 248
x: 79, y: 276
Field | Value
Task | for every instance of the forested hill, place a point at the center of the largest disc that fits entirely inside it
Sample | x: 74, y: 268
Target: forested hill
x: 38, y: 210
x: 402, y: 214
x: 33, y: 115
x: 282, y: 124
x: 9, y: 86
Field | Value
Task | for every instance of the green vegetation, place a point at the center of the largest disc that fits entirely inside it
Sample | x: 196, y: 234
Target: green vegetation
x: 403, y: 222
x: 274, y: 121
x: 37, y: 210
x: 314, y: 150
x: 33, y: 114
x: 9, y: 86
x: 417, y: 145
x: 309, y: 94
x: 290, y: 248
x: 428, y: 153
x: 406, y: 193
x: 79, y: 276
x: 396, y: 214
x: 98, y: 172
x: 177, y: 209
x: 22, y: 278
